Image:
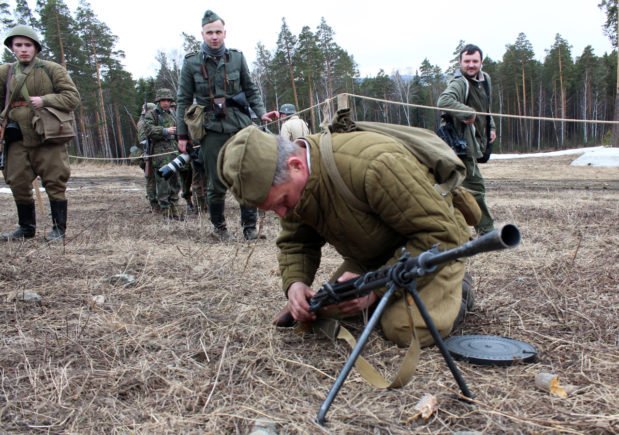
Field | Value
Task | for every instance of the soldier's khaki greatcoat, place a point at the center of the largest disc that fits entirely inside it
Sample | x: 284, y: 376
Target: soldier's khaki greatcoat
x: 407, y: 211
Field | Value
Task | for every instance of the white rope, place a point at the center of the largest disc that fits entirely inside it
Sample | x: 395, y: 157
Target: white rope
x: 326, y: 104
x: 499, y: 115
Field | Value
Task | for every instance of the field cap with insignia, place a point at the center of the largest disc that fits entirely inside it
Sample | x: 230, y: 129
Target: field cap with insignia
x: 210, y: 16
x: 246, y: 164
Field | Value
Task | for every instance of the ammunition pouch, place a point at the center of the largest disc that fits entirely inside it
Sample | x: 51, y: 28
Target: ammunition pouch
x: 12, y: 132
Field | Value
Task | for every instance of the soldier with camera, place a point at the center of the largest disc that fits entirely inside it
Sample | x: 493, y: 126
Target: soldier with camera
x: 470, y: 90
x: 160, y: 129
x: 26, y: 87
x: 219, y: 80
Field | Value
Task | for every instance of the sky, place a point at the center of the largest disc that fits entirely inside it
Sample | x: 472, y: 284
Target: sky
x: 388, y: 34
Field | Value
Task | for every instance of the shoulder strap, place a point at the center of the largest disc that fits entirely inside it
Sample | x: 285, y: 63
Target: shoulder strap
x: 155, y: 116
x: 326, y: 155
x: 8, y: 96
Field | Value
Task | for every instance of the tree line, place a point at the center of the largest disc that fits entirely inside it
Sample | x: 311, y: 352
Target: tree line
x: 310, y: 68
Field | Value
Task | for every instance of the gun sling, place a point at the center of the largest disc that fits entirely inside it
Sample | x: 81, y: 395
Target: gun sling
x: 332, y: 329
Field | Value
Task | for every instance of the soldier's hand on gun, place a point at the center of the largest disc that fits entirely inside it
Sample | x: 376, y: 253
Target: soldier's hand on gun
x: 298, y: 296
x: 171, y: 130
x: 354, y: 306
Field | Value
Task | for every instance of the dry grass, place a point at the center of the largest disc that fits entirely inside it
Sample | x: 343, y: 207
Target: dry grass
x: 189, y: 347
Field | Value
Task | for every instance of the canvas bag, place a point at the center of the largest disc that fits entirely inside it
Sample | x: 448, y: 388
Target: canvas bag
x: 194, y: 118
x: 56, y: 127
x: 425, y: 145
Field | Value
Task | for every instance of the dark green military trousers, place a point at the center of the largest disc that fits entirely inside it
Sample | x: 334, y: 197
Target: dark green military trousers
x: 475, y: 183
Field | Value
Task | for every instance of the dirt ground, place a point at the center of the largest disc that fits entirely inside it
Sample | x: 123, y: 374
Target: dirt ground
x: 188, y: 347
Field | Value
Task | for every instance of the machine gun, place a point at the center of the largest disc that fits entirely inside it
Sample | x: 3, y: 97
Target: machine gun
x: 403, y: 275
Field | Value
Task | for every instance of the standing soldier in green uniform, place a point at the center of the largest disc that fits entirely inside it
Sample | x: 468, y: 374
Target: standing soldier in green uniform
x: 160, y: 128
x: 151, y: 187
x: 470, y: 91
x: 41, y: 84
x: 219, y: 80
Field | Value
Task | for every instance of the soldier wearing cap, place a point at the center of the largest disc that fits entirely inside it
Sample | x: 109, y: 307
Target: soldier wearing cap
x: 293, y: 126
x: 41, y: 84
x: 218, y: 79
x: 291, y: 179
x: 160, y: 128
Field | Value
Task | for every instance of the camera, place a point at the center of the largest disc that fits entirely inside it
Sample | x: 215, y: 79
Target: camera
x: 178, y: 163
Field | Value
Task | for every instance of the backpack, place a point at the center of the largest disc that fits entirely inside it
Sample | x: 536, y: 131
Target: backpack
x: 425, y: 145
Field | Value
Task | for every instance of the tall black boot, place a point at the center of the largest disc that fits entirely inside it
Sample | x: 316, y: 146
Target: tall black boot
x: 249, y: 216
x: 27, y: 220
x: 216, y: 212
x: 59, y: 220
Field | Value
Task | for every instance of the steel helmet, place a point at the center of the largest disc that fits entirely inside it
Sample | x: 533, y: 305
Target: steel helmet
x: 164, y: 94
x: 22, y: 30
x: 287, y: 109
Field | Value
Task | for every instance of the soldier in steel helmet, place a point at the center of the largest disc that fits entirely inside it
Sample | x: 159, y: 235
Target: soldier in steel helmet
x: 41, y: 84
x: 151, y: 188
x: 160, y: 128
x: 293, y: 126
x: 218, y: 78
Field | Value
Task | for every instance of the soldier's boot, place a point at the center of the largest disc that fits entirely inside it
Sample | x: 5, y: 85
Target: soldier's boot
x: 219, y: 221
x: 59, y: 220
x: 27, y: 221
x: 249, y: 216
x: 191, y: 208
x: 175, y: 212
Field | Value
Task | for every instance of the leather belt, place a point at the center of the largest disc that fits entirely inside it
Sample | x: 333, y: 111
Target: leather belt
x: 19, y: 104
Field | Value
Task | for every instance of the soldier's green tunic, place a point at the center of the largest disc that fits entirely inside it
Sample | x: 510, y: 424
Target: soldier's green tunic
x: 29, y: 157
x: 406, y: 211
x: 470, y: 95
x: 225, y: 76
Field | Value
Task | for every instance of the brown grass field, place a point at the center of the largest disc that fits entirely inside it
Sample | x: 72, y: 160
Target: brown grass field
x: 189, y: 347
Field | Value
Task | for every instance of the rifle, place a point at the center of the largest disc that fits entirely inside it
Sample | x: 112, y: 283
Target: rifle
x: 403, y: 275
x: 2, y: 128
x: 148, y: 164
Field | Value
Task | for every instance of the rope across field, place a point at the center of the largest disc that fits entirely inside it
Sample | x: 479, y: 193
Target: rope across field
x: 406, y: 113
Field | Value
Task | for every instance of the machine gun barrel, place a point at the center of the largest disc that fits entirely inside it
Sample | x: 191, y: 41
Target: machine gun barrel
x: 409, y: 268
